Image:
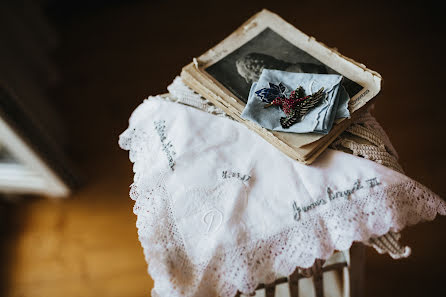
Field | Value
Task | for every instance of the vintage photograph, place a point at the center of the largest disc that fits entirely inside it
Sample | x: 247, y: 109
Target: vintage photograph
x: 238, y: 70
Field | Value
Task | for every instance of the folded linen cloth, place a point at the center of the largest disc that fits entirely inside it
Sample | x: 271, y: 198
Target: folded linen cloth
x: 215, y: 217
x: 319, y: 120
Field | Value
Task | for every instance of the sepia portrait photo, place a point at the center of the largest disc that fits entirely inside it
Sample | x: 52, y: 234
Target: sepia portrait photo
x: 268, y: 50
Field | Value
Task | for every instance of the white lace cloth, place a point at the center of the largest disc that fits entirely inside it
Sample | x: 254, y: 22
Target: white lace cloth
x: 220, y: 210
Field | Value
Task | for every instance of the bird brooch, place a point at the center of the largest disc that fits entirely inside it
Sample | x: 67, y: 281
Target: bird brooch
x: 295, y: 107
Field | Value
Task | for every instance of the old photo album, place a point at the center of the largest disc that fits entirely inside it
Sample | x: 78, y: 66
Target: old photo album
x: 280, y: 82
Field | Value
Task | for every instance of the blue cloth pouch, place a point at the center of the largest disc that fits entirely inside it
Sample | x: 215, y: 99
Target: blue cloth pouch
x: 318, y: 120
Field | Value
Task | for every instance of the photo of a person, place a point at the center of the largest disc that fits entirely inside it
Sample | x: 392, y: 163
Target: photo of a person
x: 268, y: 50
x: 251, y: 65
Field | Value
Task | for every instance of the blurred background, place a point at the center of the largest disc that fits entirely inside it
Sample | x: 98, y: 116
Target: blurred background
x: 71, y: 73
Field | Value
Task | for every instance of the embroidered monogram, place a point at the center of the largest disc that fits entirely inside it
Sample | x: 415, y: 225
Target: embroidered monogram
x: 332, y: 195
x: 160, y: 127
x: 231, y: 174
x: 212, y: 219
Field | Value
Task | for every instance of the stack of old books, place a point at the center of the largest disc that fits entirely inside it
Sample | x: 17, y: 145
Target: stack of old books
x: 268, y: 59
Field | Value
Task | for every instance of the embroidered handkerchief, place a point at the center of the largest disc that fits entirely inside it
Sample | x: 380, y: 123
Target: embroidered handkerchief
x: 318, y: 120
x: 220, y: 210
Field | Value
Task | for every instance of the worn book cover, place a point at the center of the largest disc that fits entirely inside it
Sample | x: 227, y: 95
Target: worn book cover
x: 225, y: 73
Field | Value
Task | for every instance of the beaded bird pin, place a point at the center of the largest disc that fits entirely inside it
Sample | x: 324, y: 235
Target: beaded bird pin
x: 296, y: 106
x: 271, y: 93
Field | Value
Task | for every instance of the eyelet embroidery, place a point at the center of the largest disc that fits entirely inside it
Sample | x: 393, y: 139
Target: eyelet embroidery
x: 160, y: 127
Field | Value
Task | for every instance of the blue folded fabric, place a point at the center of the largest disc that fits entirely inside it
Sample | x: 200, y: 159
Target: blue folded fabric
x: 318, y: 120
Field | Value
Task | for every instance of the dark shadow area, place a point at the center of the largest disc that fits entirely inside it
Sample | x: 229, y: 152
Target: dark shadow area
x: 12, y: 217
